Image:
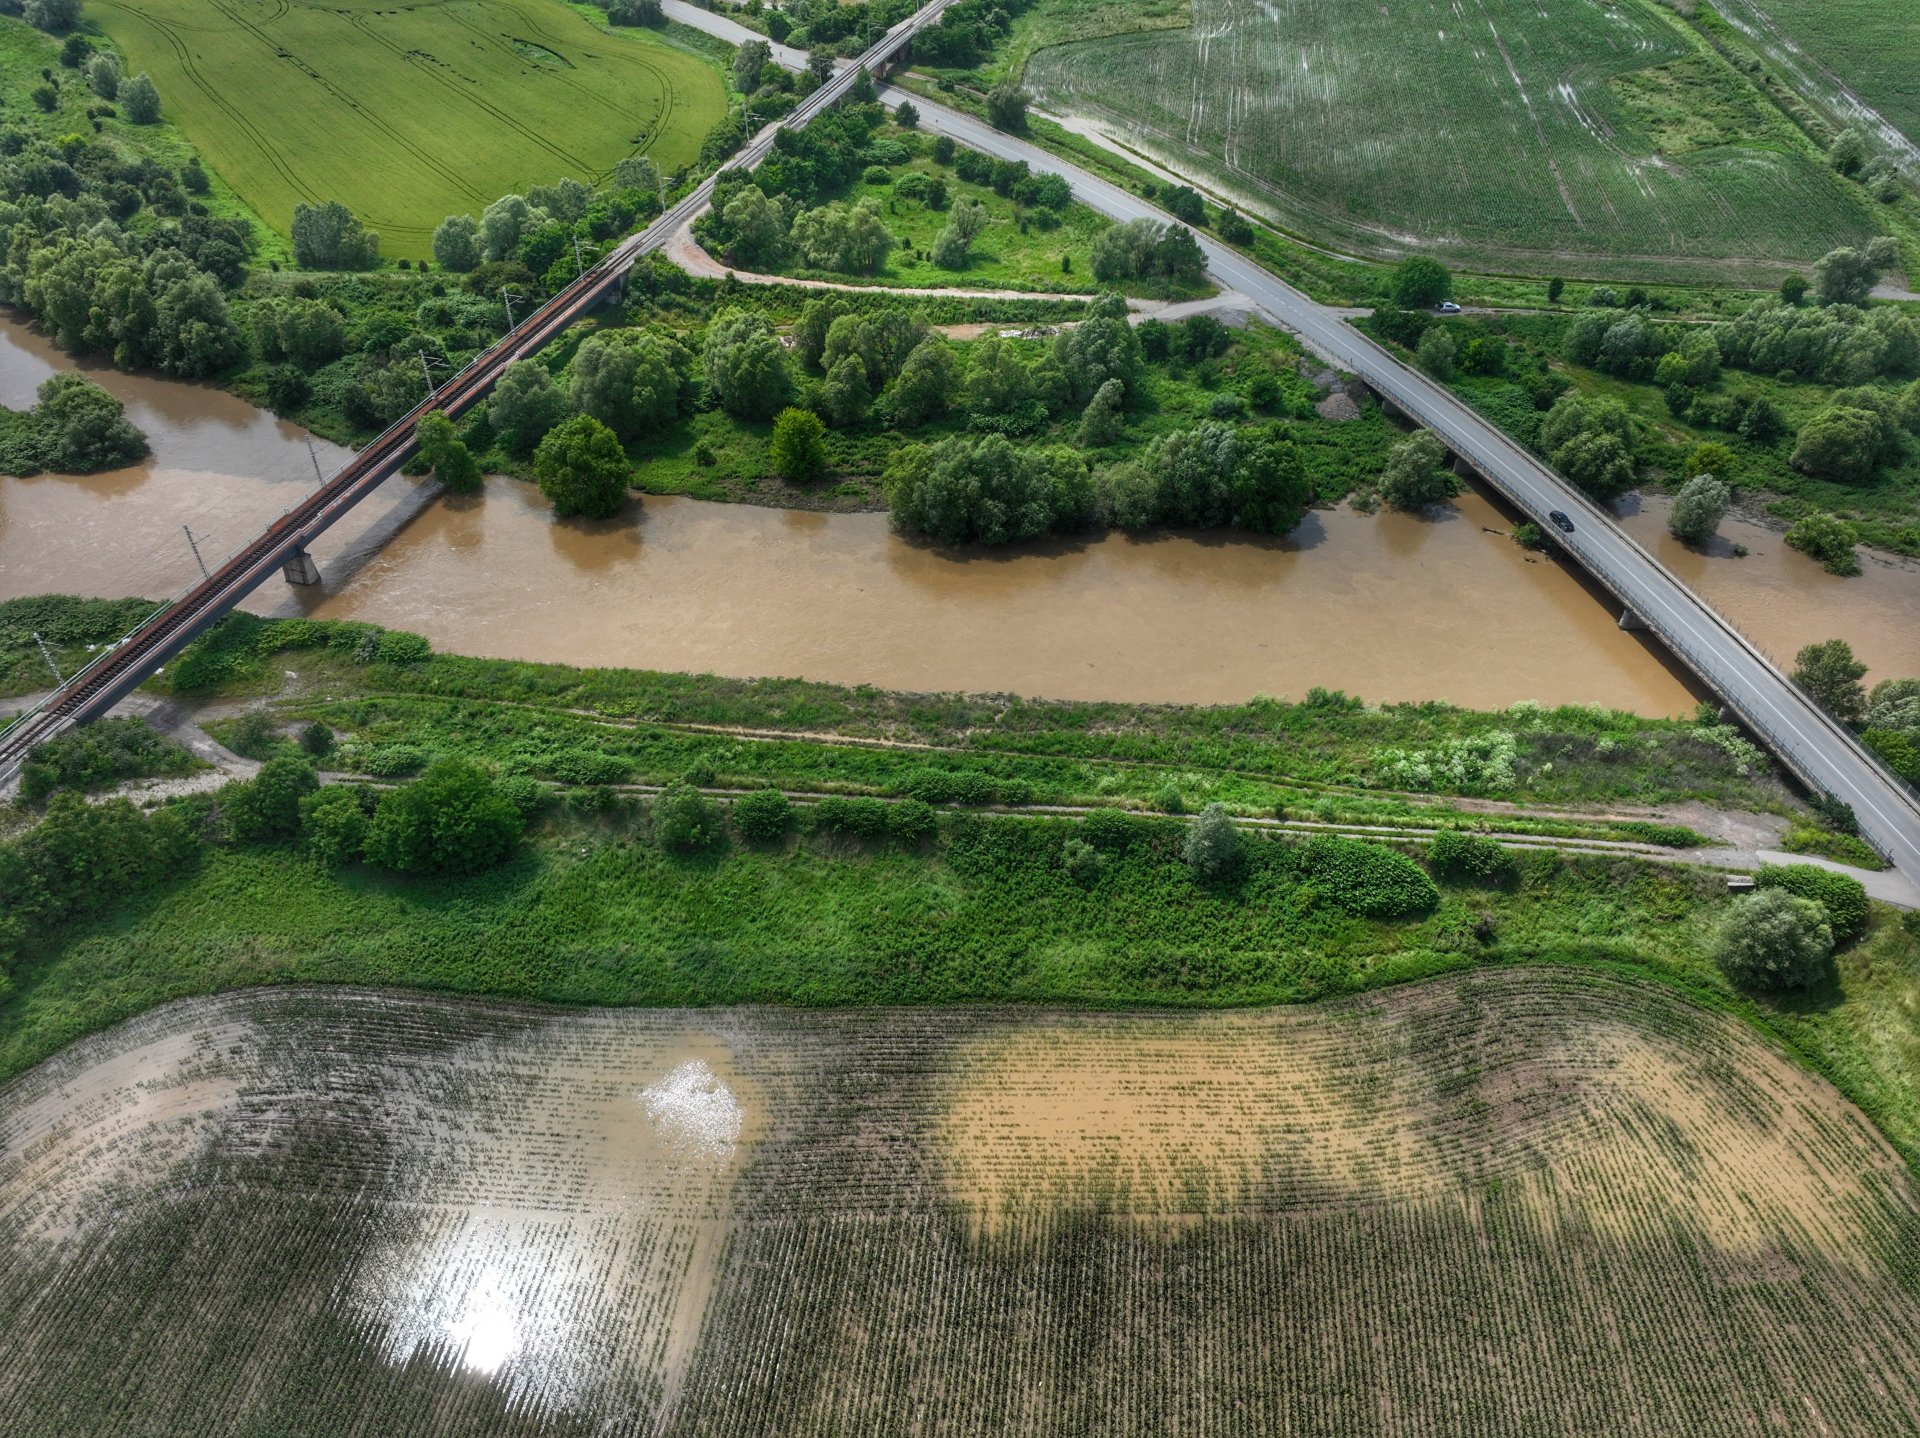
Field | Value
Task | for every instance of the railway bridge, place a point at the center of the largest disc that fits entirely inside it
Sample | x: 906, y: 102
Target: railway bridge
x: 118, y: 671
x: 1820, y: 752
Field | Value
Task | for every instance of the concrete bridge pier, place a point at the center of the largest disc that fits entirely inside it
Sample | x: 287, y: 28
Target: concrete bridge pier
x: 1632, y: 622
x: 300, y: 568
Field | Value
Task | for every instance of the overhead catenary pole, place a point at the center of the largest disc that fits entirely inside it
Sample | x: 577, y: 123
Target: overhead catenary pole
x: 507, y: 297
x: 427, y: 362
x: 194, y: 545
x: 47, y: 654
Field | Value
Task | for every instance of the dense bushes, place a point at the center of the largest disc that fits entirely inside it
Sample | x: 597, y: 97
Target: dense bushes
x: 1368, y: 880
x: 97, y: 755
x: 982, y: 490
x: 1843, y: 900
x: 1470, y: 858
x: 80, y: 859
x: 77, y: 428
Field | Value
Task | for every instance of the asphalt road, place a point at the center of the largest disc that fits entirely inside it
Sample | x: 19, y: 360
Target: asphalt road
x: 1822, y: 752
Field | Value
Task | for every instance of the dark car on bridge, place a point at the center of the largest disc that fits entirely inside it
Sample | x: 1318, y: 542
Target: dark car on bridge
x: 1560, y: 521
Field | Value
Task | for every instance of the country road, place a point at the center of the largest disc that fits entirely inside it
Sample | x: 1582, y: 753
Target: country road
x: 1823, y: 754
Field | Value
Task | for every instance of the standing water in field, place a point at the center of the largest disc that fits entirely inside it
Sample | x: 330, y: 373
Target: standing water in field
x: 343, y: 1213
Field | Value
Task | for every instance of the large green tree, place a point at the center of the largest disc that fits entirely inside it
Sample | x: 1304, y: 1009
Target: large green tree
x: 1698, y: 509
x: 1416, y: 474
x: 746, y: 368
x: 582, y: 469
x: 1831, y: 676
x: 526, y: 404
x: 1420, y: 283
x: 1774, y: 940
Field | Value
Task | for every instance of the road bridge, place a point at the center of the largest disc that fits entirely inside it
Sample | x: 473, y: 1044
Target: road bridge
x: 1820, y: 752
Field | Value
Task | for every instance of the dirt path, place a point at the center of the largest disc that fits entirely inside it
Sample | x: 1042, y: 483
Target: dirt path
x: 686, y: 252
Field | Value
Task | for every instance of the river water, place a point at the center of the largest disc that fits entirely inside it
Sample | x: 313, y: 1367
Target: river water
x: 1386, y: 606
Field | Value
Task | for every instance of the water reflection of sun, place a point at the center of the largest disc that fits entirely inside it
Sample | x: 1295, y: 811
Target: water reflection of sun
x: 526, y: 1272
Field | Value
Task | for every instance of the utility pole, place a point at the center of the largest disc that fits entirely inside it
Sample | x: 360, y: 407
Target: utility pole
x: 428, y: 362
x: 314, y: 455
x: 507, y: 297
x: 194, y: 545
x: 579, y: 265
x: 47, y: 654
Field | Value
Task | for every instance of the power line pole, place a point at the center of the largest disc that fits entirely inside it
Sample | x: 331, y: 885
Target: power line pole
x: 427, y: 362
x: 507, y: 297
x: 47, y: 654
x: 194, y: 545
x: 579, y: 265
x: 314, y: 455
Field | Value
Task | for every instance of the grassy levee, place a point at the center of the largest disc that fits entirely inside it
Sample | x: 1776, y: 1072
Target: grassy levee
x: 409, y: 114
x: 1627, y: 147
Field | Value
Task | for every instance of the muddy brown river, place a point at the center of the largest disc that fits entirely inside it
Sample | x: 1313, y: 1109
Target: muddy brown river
x: 1386, y: 606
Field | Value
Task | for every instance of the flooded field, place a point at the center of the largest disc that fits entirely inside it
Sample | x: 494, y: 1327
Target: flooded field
x: 1389, y: 607
x: 1483, y: 1205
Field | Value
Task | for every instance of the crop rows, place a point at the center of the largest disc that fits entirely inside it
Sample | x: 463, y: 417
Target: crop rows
x: 1489, y: 1204
x: 1490, y: 130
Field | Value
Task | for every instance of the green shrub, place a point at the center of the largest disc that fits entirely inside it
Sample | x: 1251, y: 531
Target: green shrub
x: 1083, y: 862
x: 390, y: 761
x: 1368, y: 880
x: 762, y: 816
x: 524, y: 793
x: 317, y: 739
x: 451, y: 820
x: 910, y: 821
x: 1168, y: 800
x: 253, y: 735
x: 268, y: 805
x: 333, y: 824
x: 1470, y: 858
x: 1843, y: 899
x: 396, y: 646
x: 1774, y: 940
x: 948, y: 786
x: 588, y: 766
x: 1111, y: 830
x: 1669, y: 836
x: 863, y: 818
x: 684, y: 818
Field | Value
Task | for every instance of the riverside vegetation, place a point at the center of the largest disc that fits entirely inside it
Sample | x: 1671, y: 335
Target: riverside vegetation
x: 860, y: 874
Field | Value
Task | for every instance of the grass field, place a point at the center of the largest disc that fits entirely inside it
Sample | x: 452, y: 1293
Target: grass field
x: 409, y: 114
x: 1482, y: 1206
x: 1596, y: 139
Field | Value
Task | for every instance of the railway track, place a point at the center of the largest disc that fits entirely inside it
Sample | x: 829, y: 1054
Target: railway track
x: 135, y: 658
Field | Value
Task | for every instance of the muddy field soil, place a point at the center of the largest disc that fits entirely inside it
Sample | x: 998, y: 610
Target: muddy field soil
x: 342, y: 1212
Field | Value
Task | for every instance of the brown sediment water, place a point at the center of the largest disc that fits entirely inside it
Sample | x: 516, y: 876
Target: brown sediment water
x: 218, y: 465
x: 1781, y: 599
x: 1387, y: 606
